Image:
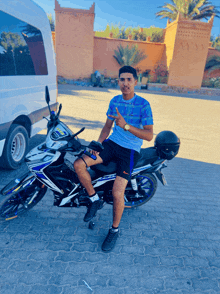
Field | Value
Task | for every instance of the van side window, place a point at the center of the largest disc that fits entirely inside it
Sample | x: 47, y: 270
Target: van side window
x: 21, y: 48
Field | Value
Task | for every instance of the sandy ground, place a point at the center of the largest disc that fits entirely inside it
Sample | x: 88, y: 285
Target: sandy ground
x: 195, y: 119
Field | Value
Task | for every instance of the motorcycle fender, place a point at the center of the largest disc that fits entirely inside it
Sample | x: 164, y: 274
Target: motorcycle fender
x: 161, y: 177
x: 16, y: 184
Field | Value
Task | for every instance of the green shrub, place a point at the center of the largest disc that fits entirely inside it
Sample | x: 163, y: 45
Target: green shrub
x: 211, y: 82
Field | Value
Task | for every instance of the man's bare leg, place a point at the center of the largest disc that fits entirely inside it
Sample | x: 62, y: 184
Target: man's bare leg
x: 118, y: 208
x: 118, y: 199
x: 81, y: 166
x: 82, y: 173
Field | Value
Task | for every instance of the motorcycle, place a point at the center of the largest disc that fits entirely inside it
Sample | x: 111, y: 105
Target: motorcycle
x: 49, y: 168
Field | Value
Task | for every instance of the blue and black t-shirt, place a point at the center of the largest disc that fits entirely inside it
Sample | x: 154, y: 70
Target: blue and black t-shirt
x: 136, y: 112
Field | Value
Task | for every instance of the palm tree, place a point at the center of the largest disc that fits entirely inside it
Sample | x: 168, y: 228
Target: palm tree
x: 190, y: 9
x: 30, y: 30
x: 11, y: 41
x: 215, y: 42
x: 128, y: 55
x: 212, y: 63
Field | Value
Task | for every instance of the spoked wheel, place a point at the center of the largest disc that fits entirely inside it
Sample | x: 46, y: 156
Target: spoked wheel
x: 19, y: 202
x: 147, y: 186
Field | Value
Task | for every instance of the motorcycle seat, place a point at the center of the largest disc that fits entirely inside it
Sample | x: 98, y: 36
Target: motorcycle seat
x: 147, y: 156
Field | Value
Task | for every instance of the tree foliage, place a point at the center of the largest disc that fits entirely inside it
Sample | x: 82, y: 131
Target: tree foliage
x: 190, y: 9
x: 52, y: 23
x: 30, y: 31
x: 215, y: 42
x: 122, y: 32
x: 9, y: 41
x: 157, y: 37
x: 212, y: 63
x: 129, y: 55
x: 15, y: 56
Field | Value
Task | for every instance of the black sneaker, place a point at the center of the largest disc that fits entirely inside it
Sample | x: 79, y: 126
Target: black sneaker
x: 110, y: 240
x: 92, y: 209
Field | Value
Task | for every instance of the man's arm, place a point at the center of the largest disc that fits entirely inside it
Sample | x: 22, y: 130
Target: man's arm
x: 145, y: 134
x: 106, y: 130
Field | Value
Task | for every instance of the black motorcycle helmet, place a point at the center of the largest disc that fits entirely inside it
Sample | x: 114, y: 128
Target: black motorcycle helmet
x: 167, y: 144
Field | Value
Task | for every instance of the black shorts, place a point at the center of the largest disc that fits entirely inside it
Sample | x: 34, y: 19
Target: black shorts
x: 125, y: 159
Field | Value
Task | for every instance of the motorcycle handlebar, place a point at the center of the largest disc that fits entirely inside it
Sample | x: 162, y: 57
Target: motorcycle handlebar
x: 60, y: 107
x: 90, y: 155
x: 80, y: 131
x: 54, y: 117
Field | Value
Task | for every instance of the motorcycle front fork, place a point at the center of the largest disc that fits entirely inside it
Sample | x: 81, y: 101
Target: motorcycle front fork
x: 135, y: 187
x: 134, y: 184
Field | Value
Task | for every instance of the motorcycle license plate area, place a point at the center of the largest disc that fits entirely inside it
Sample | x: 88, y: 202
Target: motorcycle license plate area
x: 161, y: 177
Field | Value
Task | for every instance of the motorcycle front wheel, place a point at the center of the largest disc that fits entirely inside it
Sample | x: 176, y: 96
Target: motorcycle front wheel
x: 21, y: 201
x: 147, y: 186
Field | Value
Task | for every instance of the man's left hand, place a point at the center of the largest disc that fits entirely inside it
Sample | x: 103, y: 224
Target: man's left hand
x: 119, y: 120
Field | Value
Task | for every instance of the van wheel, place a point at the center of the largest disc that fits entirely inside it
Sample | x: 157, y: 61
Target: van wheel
x: 16, y: 147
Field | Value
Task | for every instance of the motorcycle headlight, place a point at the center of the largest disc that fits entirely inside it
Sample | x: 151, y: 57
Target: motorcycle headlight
x: 47, y: 158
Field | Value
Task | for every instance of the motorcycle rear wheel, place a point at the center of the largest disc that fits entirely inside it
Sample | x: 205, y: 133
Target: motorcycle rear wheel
x: 21, y: 201
x: 147, y: 186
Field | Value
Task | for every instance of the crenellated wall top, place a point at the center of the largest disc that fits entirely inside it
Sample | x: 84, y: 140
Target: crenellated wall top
x: 59, y: 9
x: 189, y: 23
x: 128, y: 41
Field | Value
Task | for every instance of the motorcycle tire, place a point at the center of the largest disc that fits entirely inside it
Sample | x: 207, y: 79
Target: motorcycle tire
x: 21, y: 201
x: 16, y: 147
x: 147, y: 186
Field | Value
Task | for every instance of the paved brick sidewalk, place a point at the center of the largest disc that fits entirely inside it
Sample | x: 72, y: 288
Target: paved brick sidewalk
x: 170, y: 245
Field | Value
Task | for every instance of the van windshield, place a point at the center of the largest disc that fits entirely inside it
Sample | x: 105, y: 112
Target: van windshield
x: 21, y: 48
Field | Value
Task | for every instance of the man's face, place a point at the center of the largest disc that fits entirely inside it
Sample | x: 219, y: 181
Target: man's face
x: 127, y: 83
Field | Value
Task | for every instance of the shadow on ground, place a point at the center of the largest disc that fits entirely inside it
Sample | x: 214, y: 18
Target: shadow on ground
x: 69, y: 90
x: 79, y: 122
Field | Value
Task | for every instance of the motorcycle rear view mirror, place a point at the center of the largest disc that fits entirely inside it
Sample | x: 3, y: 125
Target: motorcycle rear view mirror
x: 47, y: 95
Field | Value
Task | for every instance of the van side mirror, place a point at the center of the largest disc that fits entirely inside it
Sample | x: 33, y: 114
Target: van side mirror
x: 47, y: 95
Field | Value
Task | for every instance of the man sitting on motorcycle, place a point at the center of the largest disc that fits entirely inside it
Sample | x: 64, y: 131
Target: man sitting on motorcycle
x: 133, y: 123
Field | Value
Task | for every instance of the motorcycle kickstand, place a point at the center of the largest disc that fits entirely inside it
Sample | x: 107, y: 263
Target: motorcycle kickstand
x: 91, y: 225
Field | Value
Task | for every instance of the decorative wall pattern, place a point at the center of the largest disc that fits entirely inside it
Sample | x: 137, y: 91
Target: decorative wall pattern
x: 186, y: 59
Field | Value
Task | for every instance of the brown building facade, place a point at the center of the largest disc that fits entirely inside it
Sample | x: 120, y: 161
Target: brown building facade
x: 79, y: 53
x: 74, y: 37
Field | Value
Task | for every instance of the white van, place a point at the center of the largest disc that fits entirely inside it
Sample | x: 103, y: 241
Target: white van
x: 27, y: 66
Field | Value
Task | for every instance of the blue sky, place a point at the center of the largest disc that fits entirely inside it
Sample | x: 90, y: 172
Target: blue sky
x: 129, y: 12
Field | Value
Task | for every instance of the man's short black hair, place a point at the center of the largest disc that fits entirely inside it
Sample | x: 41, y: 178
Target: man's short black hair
x: 128, y: 69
